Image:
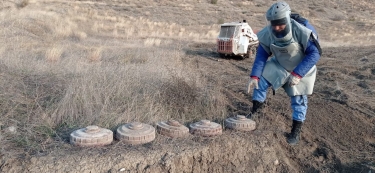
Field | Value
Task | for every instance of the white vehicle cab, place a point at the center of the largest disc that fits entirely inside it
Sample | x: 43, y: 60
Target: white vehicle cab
x: 237, y: 38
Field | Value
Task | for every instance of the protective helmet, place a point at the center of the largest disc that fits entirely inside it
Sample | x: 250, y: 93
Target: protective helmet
x: 278, y: 11
x: 279, y: 14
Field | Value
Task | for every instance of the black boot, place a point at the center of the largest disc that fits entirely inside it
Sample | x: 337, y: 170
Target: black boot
x: 257, y: 105
x: 294, y: 135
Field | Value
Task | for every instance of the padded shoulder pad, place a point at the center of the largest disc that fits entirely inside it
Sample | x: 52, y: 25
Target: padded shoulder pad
x: 298, y: 18
x: 314, y: 38
x: 265, y: 39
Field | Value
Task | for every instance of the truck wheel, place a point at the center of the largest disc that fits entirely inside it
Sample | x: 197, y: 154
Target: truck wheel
x: 254, y: 51
x: 221, y: 55
x: 248, y: 53
x: 251, y: 52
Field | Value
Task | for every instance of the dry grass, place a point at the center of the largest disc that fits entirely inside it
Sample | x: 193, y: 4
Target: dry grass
x: 52, y: 81
x: 23, y: 3
x: 46, y: 102
x: 95, y: 54
x: 54, y: 54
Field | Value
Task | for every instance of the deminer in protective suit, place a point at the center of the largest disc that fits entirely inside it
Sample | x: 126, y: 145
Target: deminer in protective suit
x: 294, y: 50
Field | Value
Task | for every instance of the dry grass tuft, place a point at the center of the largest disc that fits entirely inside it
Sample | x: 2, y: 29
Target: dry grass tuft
x: 23, y: 3
x: 95, y: 54
x: 77, y: 35
x: 179, y: 95
x: 152, y: 42
x: 54, y: 54
x: 214, y: 1
x: 338, y: 18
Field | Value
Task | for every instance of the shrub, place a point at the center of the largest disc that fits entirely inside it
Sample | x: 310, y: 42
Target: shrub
x: 220, y: 21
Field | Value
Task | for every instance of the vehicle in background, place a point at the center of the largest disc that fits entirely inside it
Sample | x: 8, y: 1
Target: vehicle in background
x: 237, y: 39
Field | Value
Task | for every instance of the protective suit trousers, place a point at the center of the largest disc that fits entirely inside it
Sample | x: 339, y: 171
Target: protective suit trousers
x: 298, y: 103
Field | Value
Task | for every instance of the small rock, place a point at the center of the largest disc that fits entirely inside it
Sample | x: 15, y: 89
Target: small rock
x: 276, y: 162
x: 33, y: 160
x: 320, y: 158
x: 122, y: 170
x: 11, y: 129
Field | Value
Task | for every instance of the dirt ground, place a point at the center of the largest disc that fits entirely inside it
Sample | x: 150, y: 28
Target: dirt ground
x: 338, y: 134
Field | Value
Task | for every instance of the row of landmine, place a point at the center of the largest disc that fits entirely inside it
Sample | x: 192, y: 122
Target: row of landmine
x: 140, y: 133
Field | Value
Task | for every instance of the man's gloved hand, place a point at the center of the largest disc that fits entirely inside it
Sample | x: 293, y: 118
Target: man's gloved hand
x: 253, y: 81
x: 294, y: 79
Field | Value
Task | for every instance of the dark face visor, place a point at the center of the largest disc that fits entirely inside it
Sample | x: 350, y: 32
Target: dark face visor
x: 282, y: 21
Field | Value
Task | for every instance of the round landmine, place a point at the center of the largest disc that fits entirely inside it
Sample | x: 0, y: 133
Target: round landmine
x: 240, y: 122
x: 91, y: 136
x: 205, y: 128
x: 135, y: 133
x: 172, y: 128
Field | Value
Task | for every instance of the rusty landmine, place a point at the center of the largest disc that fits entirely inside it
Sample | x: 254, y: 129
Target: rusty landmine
x: 91, y: 136
x: 240, y: 122
x: 172, y: 128
x: 206, y: 128
x: 135, y: 133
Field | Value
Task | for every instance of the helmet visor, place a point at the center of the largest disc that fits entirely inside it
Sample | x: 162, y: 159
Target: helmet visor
x: 279, y: 27
x: 282, y: 21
